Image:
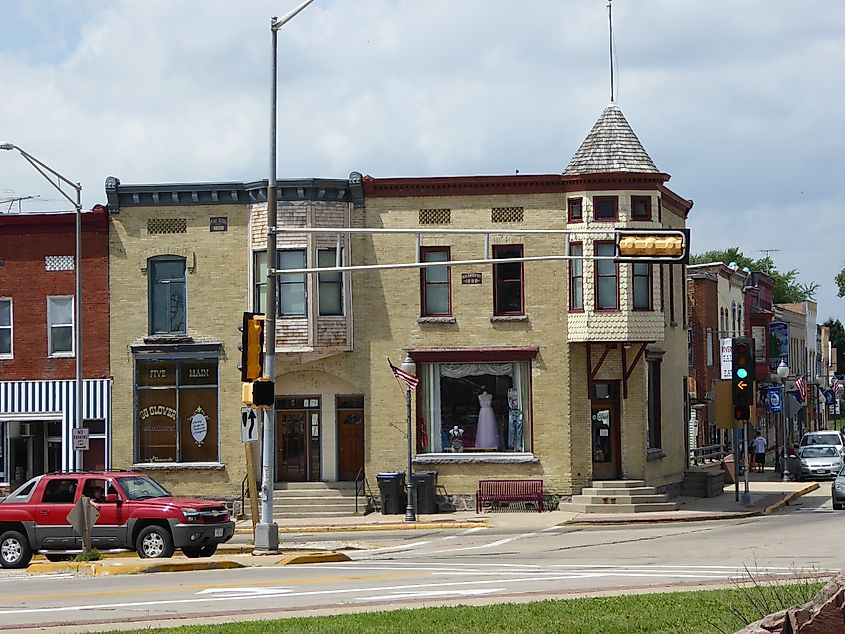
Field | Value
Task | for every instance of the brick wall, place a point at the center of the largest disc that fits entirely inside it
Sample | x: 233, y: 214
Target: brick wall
x: 25, y: 241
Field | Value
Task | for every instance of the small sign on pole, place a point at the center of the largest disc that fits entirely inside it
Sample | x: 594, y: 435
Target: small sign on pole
x: 79, y: 437
x: 726, y: 355
x: 249, y: 425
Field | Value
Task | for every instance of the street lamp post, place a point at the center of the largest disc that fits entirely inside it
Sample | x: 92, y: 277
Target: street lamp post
x: 783, y: 372
x: 410, y: 367
x: 267, y: 531
x: 50, y: 174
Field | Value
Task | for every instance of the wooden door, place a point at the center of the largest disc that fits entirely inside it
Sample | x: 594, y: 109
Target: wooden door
x: 292, y: 462
x: 606, y: 441
x: 350, y: 424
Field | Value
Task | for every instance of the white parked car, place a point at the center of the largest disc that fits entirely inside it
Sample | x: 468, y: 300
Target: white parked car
x: 833, y: 438
x: 819, y: 461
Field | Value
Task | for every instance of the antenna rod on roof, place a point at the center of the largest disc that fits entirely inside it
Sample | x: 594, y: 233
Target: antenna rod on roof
x: 610, y: 29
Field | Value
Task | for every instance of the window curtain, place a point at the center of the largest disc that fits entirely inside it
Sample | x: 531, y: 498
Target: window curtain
x: 460, y: 370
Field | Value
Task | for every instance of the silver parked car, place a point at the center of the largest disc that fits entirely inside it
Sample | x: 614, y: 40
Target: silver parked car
x: 837, y: 491
x: 819, y: 461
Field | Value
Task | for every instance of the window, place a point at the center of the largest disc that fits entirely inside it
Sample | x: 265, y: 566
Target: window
x: 259, y: 281
x: 575, y: 209
x: 654, y: 407
x: 435, y: 282
x: 607, y: 277
x: 60, y: 326
x: 177, y: 411
x: 640, y: 207
x: 330, y: 291
x: 60, y: 491
x: 605, y: 208
x: 576, y: 277
x: 167, y: 295
x: 292, y: 285
x: 5, y: 327
x: 507, y: 281
x: 449, y: 398
x: 642, y: 285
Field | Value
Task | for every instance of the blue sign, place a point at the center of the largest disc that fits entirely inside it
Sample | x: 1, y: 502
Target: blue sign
x: 828, y: 397
x: 773, y: 397
x: 778, y: 343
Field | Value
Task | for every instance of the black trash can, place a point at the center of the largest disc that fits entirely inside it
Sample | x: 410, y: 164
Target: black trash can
x: 424, y: 487
x: 392, y: 488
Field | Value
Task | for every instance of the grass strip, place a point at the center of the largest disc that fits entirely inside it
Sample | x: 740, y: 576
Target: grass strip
x: 697, y: 612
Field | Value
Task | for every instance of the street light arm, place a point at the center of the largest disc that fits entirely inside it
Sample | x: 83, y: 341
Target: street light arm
x: 45, y: 170
x: 277, y: 23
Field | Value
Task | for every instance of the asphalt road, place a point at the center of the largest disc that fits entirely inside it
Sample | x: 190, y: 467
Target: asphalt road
x: 414, y: 568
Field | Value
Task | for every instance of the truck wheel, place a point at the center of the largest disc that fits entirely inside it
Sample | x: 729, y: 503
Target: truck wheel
x: 15, y: 551
x: 193, y: 552
x: 154, y: 542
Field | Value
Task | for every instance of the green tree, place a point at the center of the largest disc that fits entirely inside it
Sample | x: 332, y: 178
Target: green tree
x: 787, y: 289
x: 837, y: 339
x: 840, y: 282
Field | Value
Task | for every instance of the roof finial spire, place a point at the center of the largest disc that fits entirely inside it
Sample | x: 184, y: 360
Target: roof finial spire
x: 610, y: 29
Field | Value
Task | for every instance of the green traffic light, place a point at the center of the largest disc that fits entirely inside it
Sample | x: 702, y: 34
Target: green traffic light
x: 742, y: 373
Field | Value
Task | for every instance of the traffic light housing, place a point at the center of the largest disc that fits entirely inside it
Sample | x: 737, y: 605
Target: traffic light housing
x: 743, y: 371
x: 252, y: 347
x: 652, y: 245
x: 263, y: 393
x: 742, y: 412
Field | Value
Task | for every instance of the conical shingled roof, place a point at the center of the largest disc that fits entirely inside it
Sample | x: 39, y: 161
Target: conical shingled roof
x: 611, y: 146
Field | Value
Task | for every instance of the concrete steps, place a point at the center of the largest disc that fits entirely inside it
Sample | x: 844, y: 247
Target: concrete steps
x: 619, y: 496
x: 314, y: 500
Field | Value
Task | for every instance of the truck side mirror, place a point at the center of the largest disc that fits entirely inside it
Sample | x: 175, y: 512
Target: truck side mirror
x: 112, y: 498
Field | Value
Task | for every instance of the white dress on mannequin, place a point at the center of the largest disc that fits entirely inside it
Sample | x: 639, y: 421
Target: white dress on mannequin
x: 486, y: 435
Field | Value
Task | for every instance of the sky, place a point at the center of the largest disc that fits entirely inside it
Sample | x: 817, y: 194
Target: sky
x: 739, y: 100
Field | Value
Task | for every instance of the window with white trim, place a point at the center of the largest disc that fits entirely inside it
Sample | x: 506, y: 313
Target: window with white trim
x: 5, y: 327
x: 292, y: 295
x: 60, y: 326
x: 330, y: 285
x: 449, y: 398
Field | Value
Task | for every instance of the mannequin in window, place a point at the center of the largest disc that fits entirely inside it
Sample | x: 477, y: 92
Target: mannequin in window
x: 486, y: 435
x: 514, y: 421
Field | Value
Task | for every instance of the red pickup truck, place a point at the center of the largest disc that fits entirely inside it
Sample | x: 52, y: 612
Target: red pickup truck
x: 136, y: 513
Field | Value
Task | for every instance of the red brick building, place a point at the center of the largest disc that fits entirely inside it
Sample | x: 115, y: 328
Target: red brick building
x: 37, y: 341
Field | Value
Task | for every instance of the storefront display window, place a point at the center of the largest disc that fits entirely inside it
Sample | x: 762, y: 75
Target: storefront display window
x: 177, y: 411
x: 489, y: 402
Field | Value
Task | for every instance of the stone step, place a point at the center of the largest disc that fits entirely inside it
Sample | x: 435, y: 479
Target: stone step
x: 619, y: 499
x: 617, y: 484
x: 321, y: 504
x: 310, y: 493
x: 618, y: 508
x: 608, y: 492
x: 300, y: 486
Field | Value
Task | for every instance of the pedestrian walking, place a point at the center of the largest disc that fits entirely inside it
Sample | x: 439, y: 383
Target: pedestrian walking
x: 759, y: 444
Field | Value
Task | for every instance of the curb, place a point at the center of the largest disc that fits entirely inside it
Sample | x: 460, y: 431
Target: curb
x: 340, y: 528
x: 657, y: 520
x: 790, y: 497
x: 100, y: 569
x: 313, y: 558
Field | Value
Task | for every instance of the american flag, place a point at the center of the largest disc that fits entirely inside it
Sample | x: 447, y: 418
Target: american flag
x: 834, y: 385
x: 801, y: 386
x: 409, y: 379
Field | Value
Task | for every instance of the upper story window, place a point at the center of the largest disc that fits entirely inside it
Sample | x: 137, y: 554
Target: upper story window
x: 435, y: 283
x: 60, y: 326
x: 330, y: 291
x: 576, y: 276
x: 640, y: 207
x: 507, y: 281
x: 5, y: 327
x: 605, y: 208
x: 575, y: 209
x: 167, y: 293
x: 292, y: 285
x: 641, y: 274
x: 259, y: 282
x: 607, y: 277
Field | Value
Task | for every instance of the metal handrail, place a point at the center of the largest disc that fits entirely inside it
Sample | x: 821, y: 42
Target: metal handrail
x: 359, y: 477
x: 708, y: 453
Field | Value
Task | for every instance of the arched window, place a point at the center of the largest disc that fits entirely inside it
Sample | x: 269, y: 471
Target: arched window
x: 167, y: 295
x: 733, y: 319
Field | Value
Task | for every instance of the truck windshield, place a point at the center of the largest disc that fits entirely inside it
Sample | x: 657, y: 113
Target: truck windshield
x: 141, y: 487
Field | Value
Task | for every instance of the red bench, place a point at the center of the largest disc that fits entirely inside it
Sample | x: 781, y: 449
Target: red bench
x: 509, y: 491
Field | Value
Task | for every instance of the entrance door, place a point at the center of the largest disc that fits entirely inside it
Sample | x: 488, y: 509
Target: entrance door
x: 350, y: 432
x: 298, y: 434
x: 606, y: 433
